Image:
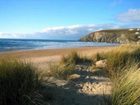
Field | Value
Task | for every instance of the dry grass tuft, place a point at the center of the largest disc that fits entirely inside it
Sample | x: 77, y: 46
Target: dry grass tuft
x: 75, y: 58
x: 61, y: 71
x: 121, y: 57
x: 126, y: 89
x: 19, y: 84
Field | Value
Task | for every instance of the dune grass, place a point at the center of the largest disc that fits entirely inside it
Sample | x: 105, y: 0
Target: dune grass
x: 98, y: 57
x: 123, y: 68
x: 120, y: 57
x: 123, y: 65
x: 61, y: 71
x: 75, y: 58
x: 19, y: 84
x: 66, y: 66
x: 126, y: 89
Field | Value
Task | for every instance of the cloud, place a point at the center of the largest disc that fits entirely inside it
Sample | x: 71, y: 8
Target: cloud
x: 63, y: 32
x: 70, y: 32
x: 132, y: 15
x: 6, y: 35
x: 12, y: 35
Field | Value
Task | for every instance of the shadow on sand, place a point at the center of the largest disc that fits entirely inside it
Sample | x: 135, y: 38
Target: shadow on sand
x: 69, y: 94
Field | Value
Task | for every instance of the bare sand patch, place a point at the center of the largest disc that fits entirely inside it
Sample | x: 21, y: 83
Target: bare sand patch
x: 43, y: 57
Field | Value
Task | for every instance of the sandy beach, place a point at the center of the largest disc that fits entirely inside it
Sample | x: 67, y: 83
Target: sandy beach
x: 87, y: 79
x: 42, y: 57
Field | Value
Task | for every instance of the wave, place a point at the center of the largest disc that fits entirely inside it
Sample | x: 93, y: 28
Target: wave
x: 22, y: 44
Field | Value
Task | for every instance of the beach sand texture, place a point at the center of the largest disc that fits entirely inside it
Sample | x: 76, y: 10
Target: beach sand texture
x: 43, y: 57
x: 86, y: 89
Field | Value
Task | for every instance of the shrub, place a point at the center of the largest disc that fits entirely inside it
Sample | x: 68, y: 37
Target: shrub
x: 19, y: 84
x: 126, y: 89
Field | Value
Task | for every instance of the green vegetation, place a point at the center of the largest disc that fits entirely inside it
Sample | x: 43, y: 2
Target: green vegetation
x: 123, y: 64
x: 19, y: 84
x: 114, y: 35
x: 123, y: 68
x: 67, y: 65
x: 74, y: 58
x: 120, y: 57
x: 60, y: 71
x: 98, y: 57
x: 126, y: 89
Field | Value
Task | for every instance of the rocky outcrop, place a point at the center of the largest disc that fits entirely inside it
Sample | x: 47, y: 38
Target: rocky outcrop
x: 115, y: 35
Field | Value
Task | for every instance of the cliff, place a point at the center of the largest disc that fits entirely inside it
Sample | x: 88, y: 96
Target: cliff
x: 114, y: 36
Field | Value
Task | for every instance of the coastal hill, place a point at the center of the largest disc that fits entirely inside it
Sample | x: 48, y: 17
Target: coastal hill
x: 114, y: 35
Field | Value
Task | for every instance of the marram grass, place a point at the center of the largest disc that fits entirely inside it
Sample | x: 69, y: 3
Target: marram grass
x: 74, y: 58
x: 126, y: 89
x: 19, y: 84
x: 121, y: 57
x: 61, y: 71
x: 123, y: 65
x: 66, y: 66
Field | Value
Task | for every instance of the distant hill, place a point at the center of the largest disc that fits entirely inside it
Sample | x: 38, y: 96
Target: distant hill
x: 114, y: 35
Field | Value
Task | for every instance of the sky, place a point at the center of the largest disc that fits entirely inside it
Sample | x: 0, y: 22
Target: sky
x: 65, y: 19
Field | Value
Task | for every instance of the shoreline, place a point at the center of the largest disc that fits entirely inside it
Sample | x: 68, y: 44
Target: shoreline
x: 38, y: 49
x: 53, y: 50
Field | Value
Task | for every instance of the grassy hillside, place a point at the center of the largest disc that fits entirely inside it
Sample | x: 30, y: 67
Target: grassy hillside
x: 114, y: 35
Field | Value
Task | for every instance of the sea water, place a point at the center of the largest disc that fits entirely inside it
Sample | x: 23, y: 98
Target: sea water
x: 36, y: 44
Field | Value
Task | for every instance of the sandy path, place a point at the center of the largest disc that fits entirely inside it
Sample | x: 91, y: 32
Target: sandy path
x: 92, y: 87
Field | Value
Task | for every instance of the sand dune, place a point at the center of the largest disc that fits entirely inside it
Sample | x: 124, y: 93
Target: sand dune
x: 87, y: 89
x: 41, y: 57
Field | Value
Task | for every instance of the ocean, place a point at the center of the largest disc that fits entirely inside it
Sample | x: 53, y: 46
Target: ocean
x: 34, y: 44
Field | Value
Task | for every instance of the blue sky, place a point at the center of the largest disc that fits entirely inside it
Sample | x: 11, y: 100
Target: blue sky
x: 62, y: 19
